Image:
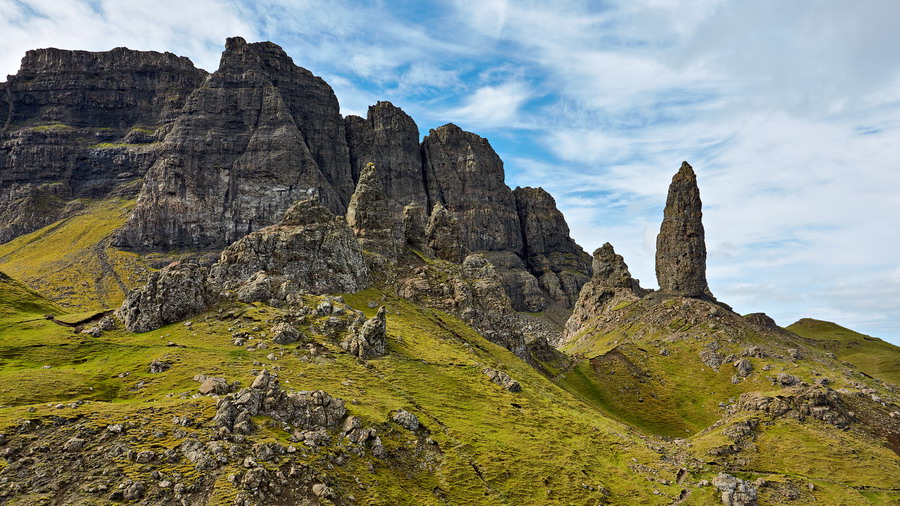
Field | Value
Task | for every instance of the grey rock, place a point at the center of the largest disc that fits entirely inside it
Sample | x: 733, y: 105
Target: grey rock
x: 551, y: 255
x: 374, y: 218
x: 307, y: 410
x: 256, y: 136
x: 158, y: 366
x: 443, y: 235
x: 309, y: 250
x: 502, y: 379
x: 369, y: 339
x: 681, y: 245
x: 217, y: 386
x: 117, y: 100
x: 178, y: 291
x: 134, y: 491
x: 744, y: 367
x: 74, y: 444
x: 465, y: 174
x: 389, y: 138
x: 611, y: 284
x: 735, y: 491
x: 406, y: 420
x: 285, y: 333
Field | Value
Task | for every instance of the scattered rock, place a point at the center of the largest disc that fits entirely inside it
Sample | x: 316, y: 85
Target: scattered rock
x: 744, y: 367
x: 74, y: 444
x: 158, y: 366
x: 406, y: 420
x: 285, y: 333
x: 502, y: 379
x: 369, y: 339
x: 217, y: 386
x: 735, y: 491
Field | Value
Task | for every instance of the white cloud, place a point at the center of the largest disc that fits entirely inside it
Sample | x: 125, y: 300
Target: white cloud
x: 198, y: 31
x: 491, y: 106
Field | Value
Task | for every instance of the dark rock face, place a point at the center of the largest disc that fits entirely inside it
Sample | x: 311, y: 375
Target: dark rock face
x: 174, y: 293
x: 374, y: 218
x: 310, y: 250
x: 258, y: 135
x: 551, y: 255
x: 610, y: 284
x: 465, y: 174
x: 681, y: 245
x: 443, y: 235
x: 77, y: 124
x: 389, y: 138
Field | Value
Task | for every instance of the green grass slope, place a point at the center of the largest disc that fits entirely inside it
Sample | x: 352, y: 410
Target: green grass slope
x: 537, y: 446
x: 872, y: 355
x: 72, y: 262
x: 18, y: 302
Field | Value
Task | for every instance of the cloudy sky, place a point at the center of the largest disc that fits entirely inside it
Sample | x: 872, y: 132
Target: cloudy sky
x: 788, y: 111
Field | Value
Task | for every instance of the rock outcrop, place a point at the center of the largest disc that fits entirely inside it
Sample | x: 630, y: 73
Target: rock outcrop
x: 256, y: 136
x: 178, y: 291
x: 681, y: 244
x: 301, y: 410
x: 465, y: 174
x: 610, y: 284
x: 551, y: 255
x: 79, y: 124
x: 374, y: 218
x: 369, y: 339
x: 310, y: 250
x: 389, y: 138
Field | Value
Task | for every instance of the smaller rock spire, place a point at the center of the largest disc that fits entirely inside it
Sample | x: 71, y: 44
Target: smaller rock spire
x: 681, y: 245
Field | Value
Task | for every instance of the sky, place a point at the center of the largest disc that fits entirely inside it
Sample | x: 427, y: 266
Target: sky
x: 789, y: 113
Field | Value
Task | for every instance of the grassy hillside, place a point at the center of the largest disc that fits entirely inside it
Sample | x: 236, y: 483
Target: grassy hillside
x: 872, y: 355
x: 71, y: 261
x: 18, y: 302
x: 538, y: 445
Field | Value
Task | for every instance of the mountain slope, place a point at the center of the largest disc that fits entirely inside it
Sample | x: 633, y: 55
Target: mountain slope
x: 870, y: 354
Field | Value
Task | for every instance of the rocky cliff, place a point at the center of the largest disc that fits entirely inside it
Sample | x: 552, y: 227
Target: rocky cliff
x: 256, y: 136
x: 78, y: 124
x: 213, y: 158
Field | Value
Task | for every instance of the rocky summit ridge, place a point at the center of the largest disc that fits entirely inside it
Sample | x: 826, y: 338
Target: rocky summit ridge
x: 412, y: 330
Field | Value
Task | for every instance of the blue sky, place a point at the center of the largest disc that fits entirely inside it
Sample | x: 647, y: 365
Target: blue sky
x: 788, y: 111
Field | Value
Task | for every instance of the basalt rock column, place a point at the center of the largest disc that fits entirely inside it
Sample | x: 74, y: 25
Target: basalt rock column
x: 680, y: 245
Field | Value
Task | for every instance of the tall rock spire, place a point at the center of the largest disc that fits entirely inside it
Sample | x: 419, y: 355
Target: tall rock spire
x: 680, y: 245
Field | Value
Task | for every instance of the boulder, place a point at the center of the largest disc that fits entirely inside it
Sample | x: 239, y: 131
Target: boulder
x: 735, y: 491
x: 178, y: 291
x: 369, y: 339
x: 501, y: 378
x: 285, y: 333
x: 406, y: 420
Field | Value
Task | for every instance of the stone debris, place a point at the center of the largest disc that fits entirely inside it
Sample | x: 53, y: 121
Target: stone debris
x: 369, y: 339
x: 501, y: 378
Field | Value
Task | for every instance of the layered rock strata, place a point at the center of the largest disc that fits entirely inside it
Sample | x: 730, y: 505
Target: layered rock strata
x: 256, y: 136
x: 79, y: 124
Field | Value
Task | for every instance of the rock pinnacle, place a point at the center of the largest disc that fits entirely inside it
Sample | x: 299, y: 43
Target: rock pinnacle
x: 680, y: 245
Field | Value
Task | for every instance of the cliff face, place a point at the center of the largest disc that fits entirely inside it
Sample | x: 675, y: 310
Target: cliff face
x: 78, y: 124
x: 213, y: 158
x: 258, y: 135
